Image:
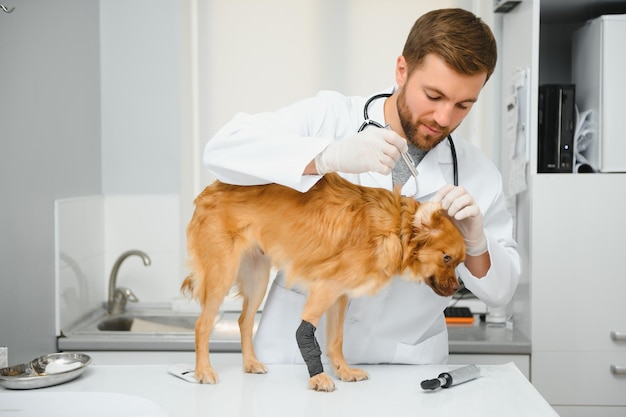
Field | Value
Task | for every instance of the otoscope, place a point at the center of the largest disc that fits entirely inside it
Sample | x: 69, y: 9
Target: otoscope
x: 451, y: 378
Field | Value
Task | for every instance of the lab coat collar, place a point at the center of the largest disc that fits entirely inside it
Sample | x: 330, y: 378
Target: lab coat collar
x: 430, y: 171
x: 430, y: 174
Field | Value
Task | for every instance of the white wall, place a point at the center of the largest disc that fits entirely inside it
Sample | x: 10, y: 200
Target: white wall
x: 141, y: 94
x: 280, y: 51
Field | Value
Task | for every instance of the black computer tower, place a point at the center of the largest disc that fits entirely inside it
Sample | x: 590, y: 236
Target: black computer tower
x: 557, y: 121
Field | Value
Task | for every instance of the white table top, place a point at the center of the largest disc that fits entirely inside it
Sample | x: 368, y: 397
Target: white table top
x: 391, y: 390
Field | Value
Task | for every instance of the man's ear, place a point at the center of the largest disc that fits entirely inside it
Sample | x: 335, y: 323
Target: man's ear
x: 402, y: 71
x: 424, y: 214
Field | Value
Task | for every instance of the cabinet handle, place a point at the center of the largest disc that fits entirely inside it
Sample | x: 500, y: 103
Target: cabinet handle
x: 618, y: 336
x: 618, y: 369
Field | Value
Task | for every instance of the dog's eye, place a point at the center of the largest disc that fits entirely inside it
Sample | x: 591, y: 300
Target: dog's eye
x: 447, y: 258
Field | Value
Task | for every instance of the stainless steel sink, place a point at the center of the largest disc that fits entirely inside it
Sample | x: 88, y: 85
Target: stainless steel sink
x: 128, y: 323
x: 149, y: 328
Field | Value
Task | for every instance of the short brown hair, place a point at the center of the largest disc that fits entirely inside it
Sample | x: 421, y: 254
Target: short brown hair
x: 458, y: 36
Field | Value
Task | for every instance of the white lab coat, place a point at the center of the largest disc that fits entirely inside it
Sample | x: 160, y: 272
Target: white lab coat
x: 403, y: 323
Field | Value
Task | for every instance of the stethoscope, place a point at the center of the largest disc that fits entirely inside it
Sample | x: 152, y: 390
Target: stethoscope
x: 368, y: 122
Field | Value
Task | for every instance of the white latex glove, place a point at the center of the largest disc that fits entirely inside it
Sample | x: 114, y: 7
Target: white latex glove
x: 465, y: 213
x: 372, y: 150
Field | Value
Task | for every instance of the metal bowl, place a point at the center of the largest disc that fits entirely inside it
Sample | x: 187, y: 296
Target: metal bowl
x: 45, y: 371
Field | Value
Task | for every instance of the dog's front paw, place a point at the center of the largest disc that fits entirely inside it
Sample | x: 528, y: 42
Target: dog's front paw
x: 322, y: 382
x: 207, y: 375
x: 351, y: 374
x: 254, y: 367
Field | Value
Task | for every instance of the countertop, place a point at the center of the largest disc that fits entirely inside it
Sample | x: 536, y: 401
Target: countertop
x: 478, y: 338
x: 484, y: 338
x: 391, y: 390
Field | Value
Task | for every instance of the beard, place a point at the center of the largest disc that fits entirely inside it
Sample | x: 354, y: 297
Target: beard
x: 411, y: 129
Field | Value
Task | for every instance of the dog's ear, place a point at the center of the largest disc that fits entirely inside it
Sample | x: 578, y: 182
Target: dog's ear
x: 427, y: 214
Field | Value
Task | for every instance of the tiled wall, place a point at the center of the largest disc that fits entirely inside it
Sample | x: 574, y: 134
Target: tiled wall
x: 79, y: 257
x: 150, y: 223
x: 92, y: 232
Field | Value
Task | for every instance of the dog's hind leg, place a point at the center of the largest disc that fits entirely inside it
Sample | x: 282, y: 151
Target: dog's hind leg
x: 334, y: 346
x: 218, y: 275
x: 252, y: 280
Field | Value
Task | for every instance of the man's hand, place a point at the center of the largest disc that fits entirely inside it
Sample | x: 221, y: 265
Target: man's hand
x: 372, y: 150
x: 466, y: 214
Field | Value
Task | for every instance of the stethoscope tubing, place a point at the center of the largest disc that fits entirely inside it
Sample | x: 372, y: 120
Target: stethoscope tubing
x: 368, y: 122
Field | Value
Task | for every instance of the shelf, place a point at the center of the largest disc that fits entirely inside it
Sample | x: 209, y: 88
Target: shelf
x: 558, y: 11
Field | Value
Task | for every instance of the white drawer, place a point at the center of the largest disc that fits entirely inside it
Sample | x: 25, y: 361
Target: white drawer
x: 579, y: 378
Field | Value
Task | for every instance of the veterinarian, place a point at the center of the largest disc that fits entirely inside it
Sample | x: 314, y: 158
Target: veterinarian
x: 448, y: 57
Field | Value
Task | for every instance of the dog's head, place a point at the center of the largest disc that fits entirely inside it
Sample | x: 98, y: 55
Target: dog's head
x: 435, y: 249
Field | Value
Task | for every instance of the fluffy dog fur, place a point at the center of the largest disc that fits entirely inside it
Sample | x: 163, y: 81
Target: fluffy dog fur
x: 336, y: 241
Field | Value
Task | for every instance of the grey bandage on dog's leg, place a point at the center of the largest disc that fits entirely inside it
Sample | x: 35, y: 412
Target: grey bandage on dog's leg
x: 310, y: 350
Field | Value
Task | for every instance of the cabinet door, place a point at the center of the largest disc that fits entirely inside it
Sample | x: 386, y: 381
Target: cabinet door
x: 578, y: 252
x: 579, y: 378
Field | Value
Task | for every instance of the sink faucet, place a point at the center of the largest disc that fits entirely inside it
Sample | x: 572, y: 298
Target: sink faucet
x: 119, y: 296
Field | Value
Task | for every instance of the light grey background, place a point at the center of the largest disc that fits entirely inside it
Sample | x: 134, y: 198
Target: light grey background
x: 81, y: 113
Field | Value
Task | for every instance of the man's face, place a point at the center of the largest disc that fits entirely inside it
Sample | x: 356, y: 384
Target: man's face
x: 434, y: 99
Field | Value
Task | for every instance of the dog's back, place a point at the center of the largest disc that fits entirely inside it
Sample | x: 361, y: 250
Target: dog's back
x: 335, y: 223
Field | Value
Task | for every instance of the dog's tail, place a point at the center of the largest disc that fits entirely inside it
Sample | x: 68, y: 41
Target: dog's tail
x: 187, y: 286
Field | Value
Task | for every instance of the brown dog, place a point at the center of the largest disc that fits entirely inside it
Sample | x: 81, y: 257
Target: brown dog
x: 337, y: 240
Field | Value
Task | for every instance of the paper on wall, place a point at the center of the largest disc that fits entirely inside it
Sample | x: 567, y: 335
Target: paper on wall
x: 518, y: 132
x: 583, y: 137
